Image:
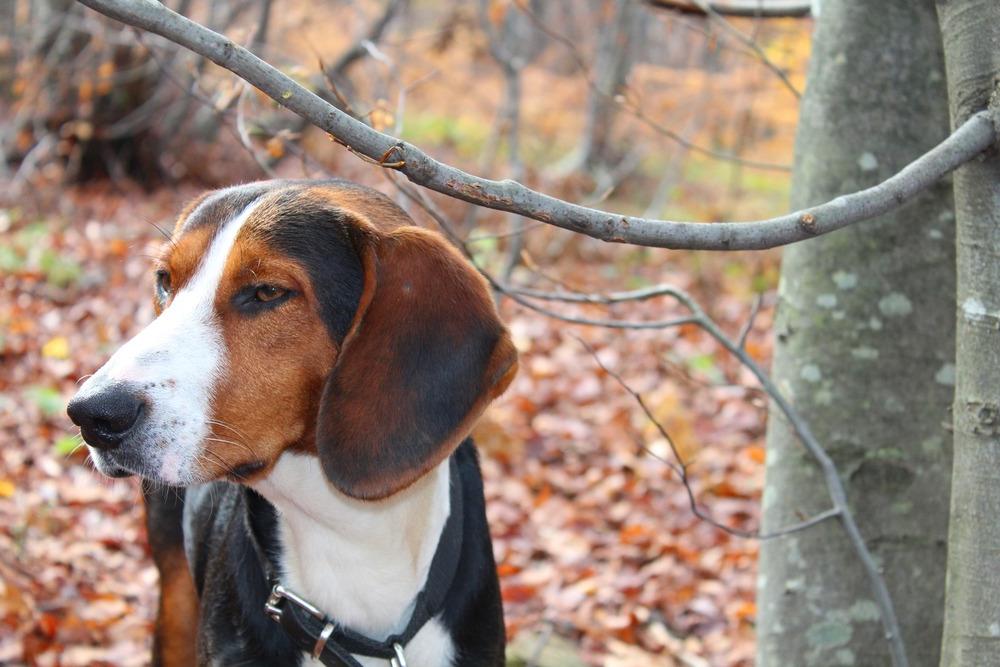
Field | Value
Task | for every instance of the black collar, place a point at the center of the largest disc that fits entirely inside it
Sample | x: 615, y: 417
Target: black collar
x: 314, y: 632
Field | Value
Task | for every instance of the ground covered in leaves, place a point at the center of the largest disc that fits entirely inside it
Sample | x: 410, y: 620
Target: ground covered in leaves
x: 594, y: 537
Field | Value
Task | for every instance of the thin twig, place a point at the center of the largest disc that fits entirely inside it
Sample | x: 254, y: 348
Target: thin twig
x: 834, y: 486
x: 244, y: 135
x: 741, y: 338
x: 479, y: 238
x: 764, y: 9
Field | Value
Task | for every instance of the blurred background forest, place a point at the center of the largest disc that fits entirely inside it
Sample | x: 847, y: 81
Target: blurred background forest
x: 644, y: 108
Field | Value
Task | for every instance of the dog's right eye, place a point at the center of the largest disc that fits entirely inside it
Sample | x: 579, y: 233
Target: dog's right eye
x: 162, y: 285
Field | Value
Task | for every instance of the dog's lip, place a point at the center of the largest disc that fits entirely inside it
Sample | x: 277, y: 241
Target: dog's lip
x: 118, y: 464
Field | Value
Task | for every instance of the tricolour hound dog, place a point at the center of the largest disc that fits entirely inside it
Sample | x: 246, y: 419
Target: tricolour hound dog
x: 311, y: 378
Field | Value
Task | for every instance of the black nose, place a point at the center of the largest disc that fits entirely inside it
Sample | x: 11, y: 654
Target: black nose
x: 105, y: 418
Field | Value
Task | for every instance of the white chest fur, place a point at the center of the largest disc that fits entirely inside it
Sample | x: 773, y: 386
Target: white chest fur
x: 362, y: 563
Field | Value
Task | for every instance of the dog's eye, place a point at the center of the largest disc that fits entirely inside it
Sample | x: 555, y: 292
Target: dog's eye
x: 268, y: 293
x: 162, y: 284
x: 254, y: 299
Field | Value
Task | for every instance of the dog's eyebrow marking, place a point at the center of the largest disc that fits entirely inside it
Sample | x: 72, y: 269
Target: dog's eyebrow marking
x: 208, y: 275
x: 224, y: 205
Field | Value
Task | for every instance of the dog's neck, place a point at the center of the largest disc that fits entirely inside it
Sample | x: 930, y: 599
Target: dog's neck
x: 361, y: 562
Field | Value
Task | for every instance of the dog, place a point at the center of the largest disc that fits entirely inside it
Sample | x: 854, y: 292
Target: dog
x: 299, y: 412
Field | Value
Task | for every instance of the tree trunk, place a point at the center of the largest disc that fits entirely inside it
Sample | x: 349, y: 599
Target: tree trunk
x: 865, y: 349
x: 971, y: 30
x: 617, y: 42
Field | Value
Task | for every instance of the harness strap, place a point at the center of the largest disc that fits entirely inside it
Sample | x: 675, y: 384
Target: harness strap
x: 315, y: 633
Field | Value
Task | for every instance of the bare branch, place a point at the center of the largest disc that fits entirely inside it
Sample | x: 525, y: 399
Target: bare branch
x: 765, y: 9
x: 834, y: 486
x: 973, y: 137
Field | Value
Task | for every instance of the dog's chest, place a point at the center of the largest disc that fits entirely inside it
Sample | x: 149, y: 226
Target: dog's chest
x: 362, y: 563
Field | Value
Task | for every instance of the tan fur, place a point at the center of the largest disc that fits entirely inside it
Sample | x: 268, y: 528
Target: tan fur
x: 177, y: 618
x: 277, y: 362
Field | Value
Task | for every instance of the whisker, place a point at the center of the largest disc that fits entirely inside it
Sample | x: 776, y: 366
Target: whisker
x: 223, y: 465
x: 164, y: 232
x: 238, y: 443
x: 229, y: 426
x: 242, y: 445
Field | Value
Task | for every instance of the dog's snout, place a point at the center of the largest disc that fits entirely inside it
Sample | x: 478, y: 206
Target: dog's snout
x: 106, y: 417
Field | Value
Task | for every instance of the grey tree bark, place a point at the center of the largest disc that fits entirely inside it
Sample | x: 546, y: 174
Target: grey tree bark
x: 971, y: 31
x: 865, y: 349
x: 620, y: 29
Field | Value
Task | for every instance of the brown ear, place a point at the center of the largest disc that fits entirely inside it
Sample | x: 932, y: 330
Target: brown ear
x: 424, y: 357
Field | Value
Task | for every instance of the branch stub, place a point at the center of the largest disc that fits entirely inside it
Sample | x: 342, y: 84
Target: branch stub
x: 807, y: 221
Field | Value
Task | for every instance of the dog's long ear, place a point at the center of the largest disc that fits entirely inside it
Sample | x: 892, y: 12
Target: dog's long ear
x: 425, y: 355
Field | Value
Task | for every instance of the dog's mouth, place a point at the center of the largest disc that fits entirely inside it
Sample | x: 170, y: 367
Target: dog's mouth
x: 118, y: 463
x: 167, y: 467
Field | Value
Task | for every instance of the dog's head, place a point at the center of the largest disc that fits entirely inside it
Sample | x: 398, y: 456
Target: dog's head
x: 305, y: 316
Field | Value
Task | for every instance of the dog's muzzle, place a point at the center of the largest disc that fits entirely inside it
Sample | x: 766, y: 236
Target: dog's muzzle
x: 107, y: 418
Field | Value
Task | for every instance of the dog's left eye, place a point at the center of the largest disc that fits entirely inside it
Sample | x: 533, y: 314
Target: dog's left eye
x: 162, y: 285
x: 256, y: 298
x: 267, y: 293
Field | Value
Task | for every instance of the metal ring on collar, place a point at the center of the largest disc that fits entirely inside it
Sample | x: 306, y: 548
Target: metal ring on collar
x: 400, y: 659
x: 321, y: 640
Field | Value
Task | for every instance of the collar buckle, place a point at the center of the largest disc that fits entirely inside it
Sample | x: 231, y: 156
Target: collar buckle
x: 272, y: 607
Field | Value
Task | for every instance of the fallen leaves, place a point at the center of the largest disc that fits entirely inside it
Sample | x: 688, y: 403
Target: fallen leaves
x: 56, y: 348
x: 76, y: 583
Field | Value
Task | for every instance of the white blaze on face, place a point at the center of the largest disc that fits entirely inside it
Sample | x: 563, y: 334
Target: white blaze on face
x: 173, y: 363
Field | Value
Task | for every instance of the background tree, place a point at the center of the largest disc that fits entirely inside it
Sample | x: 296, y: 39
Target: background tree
x: 971, y: 30
x: 619, y: 40
x: 864, y: 346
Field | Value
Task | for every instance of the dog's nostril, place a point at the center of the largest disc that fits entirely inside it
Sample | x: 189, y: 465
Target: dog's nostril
x: 106, y: 417
x: 119, y: 422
